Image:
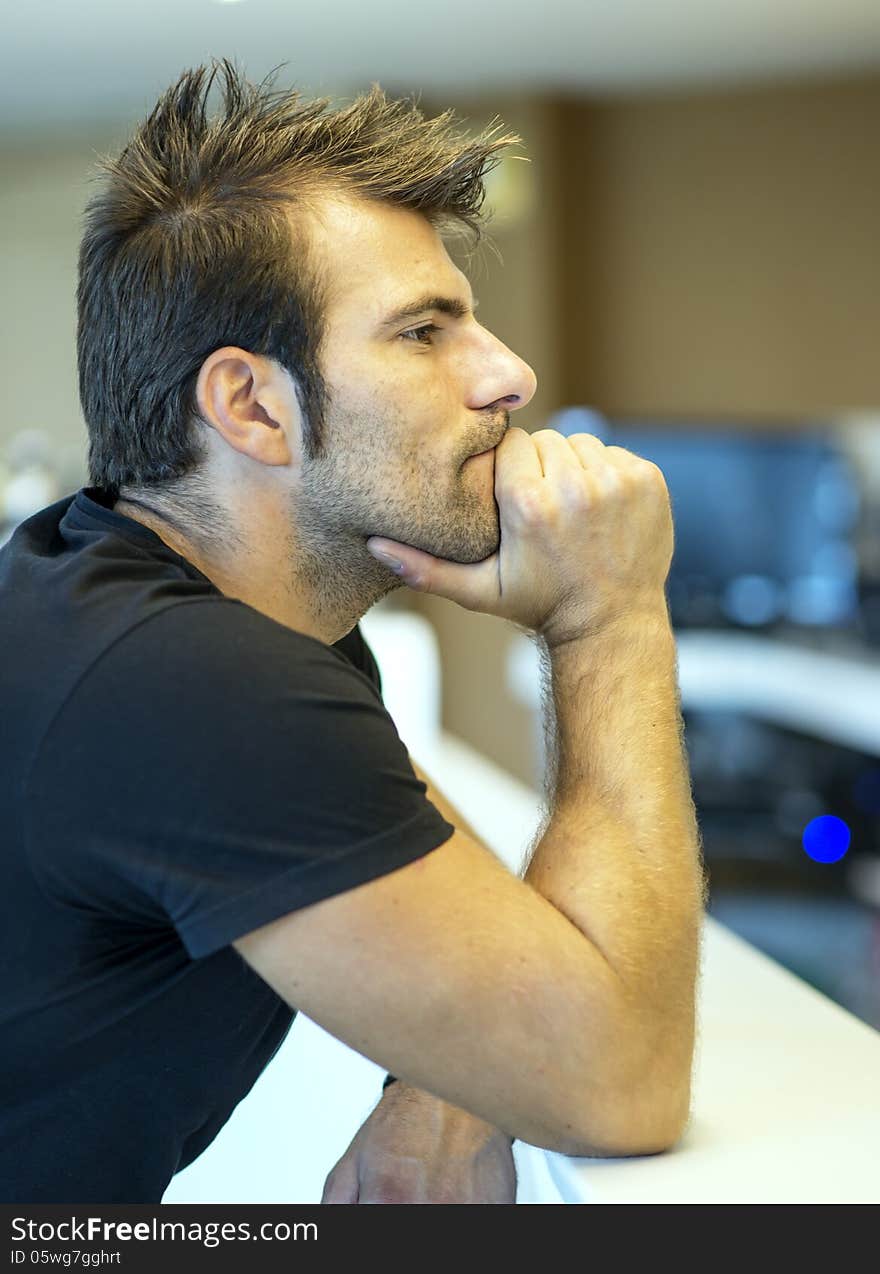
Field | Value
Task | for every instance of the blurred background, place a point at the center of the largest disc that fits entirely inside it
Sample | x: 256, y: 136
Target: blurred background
x: 689, y: 261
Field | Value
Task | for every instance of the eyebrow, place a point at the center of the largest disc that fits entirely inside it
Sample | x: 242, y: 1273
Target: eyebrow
x: 450, y: 305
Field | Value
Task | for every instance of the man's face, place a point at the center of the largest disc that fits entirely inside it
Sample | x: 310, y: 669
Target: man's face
x: 416, y: 387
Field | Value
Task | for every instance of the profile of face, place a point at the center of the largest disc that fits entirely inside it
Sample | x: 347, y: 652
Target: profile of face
x: 417, y: 388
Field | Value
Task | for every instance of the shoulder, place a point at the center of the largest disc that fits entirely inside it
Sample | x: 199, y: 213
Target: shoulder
x: 214, y: 679
x: 209, y: 640
x: 217, y: 698
x: 226, y: 768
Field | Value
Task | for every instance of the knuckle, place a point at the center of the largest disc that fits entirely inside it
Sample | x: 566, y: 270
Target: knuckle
x: 611, y: 480
x: 588, y: 438
x: 529, y: 505
x: 636, y: 470
x: 512, y: 431
x: 655, y: 475
x: 573, y: 487
x: 627, y: 461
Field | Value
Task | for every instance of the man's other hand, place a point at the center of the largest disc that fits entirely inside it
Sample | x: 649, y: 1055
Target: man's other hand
x: 415, y: 1148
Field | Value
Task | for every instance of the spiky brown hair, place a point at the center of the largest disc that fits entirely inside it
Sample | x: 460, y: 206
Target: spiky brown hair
x: 190, y: 246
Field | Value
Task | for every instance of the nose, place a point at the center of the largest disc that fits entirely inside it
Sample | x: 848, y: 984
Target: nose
x: 501, y: 377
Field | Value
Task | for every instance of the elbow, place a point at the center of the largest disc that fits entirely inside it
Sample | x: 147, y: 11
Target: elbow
x: 623, y: 1125
x: 632, y: 1140
x: 643, y: 1106
x: 633, y: 1096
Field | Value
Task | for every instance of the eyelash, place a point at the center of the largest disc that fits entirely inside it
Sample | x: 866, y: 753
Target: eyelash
x: 416, y: 332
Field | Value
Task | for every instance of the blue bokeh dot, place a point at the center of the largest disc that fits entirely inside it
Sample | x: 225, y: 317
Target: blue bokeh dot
x: 826, y: 838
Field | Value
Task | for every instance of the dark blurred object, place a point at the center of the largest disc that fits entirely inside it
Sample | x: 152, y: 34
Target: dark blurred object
x: 831, y: 943
x: 859, y: 435
x: 869, y: 611
x: 765, y: 521
x: 756, y: 787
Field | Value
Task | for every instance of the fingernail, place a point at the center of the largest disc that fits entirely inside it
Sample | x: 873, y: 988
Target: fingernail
x: 388, y: 560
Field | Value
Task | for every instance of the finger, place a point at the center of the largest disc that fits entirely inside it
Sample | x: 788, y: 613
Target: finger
x: 516, y: 458
x: 467, y: 584
x: 554, y: 452
x: 589, y: 449
x: 341, y: 1185
x: 604, y: 469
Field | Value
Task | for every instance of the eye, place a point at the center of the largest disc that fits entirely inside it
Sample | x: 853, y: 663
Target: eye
x: 421, y: 335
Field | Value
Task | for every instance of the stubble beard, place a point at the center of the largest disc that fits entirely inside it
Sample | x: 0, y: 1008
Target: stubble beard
x: 341, y: 501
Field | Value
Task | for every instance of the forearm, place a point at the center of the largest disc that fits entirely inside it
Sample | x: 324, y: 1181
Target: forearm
x: 478, y: 1126
x: 620, y: 856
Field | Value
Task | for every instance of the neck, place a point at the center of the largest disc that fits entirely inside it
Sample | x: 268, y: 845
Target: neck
x: 270, y: 582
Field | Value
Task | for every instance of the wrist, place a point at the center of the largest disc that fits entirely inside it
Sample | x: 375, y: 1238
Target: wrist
x: 638, y: 617
x: 475, y: 1129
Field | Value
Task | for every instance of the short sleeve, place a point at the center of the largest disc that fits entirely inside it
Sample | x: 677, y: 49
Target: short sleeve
x: 215, y: 771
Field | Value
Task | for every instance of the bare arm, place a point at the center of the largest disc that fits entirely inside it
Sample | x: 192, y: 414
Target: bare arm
x: 621, y: 853
x: 620, y: 856
x: 558, y: 1007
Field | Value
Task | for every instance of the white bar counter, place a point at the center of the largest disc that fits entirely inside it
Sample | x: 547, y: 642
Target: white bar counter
x: 786, y: 1104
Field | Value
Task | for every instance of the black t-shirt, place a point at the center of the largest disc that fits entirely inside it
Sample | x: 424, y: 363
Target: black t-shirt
x: 176, y: 769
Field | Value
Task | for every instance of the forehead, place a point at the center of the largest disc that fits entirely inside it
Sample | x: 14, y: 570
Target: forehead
x: 377, y: 257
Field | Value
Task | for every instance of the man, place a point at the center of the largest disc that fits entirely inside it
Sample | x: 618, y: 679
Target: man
x: 211, y: 820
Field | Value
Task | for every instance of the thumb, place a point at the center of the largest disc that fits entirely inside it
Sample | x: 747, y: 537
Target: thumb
x: 473, y: 586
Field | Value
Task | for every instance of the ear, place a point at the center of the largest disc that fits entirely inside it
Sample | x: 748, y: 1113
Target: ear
x: 251, y: 402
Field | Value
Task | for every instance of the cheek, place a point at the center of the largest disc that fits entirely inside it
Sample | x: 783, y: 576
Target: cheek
x: 406, y: 421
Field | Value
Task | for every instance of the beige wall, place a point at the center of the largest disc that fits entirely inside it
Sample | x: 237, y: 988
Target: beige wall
x: 722, y: 251
x: 43, y: 190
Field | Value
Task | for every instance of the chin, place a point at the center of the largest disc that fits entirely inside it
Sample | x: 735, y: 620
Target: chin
x: 476, y: 551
